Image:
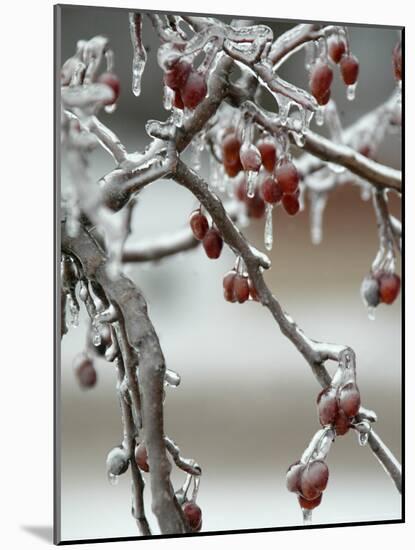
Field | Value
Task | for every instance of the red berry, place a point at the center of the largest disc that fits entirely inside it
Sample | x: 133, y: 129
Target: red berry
x: 309, y: 504
x: 287, y: 177
x: 178, y: 101
x: 342, y: 423
x: 176, y: 77
x: 232, y: 168
x: 199, y: 224
x: 293, y: 477
x: 349, y: 399
x: 255, y: 206
x: 327, y: 406
x: 314, y: 479
x: 241, y: 288
x: 291, y: 204
x: 85, y: 371
x: 193, y: 515
x: 141, y: 457
x: 271, y: 190
x: 268, y: 152
x: 325, y: 98
x: 337, y: 48
x: 389, y: 287
x: 397, y: 61
x: 111, y: 80
x: 349, y: 68
x: 213, y: 243
x: 231, y: 146
x: 250, y: 158
x: 228, y: 286
x: 194, y: 90
x: 241, y: 190
x: 321, y: 77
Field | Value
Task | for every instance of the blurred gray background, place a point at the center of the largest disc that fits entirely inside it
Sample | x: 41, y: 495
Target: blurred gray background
x: 245, y: 409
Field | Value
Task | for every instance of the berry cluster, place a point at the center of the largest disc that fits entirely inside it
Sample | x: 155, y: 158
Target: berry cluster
x: 238, y: 288
x: 337, y: 406
x: 308, y: 481
x: 279, y: 184
x: 380, y: 287
x: 188, y: 85
x: 321, y: 74
x: 211, y: 238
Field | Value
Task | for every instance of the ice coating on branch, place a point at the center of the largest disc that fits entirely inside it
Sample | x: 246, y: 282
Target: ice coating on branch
x: 139, y: 52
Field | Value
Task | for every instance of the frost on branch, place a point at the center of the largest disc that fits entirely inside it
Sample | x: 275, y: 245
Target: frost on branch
x: 263, y: 165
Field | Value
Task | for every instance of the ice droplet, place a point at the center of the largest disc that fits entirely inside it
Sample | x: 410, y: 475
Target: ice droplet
x: 113, y: 479
x: 172, y: 378
x: 138, y: 68
x: 363, y: 438
x: 110, y: 108
x: 307, y: 516
x: 83, y: 291
x: 96, y: 335
x: 251, y: 176
x: 298, y: 138
x: 306, y: 119
x: 320, y: 116
x: 268, y: 232
x: 371, y: 313
x: 351, y: 92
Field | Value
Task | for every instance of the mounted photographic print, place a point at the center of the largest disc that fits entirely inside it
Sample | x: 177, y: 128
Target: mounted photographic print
x: 228, y: 274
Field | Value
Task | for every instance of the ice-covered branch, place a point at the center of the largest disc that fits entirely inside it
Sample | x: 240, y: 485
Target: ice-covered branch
x: 161, y: 247
x: 315, y: 353
x: 141, y: 337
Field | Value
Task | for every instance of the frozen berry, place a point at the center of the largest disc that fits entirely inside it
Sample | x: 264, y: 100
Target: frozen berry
x: 111, y: 80
x: 389, y: 287
x: 293, y: 477
x: 178, y: 101
x: 271, y: 190
x: 85, y: 371
x: 291, y: 204
x: 193, y: 515
x: 321, y: 77
x: 250, y: 158
x: 199, y: 224
x: 349, y: 399
x: 141, y: 457
x: 314, y: 479
x: 241, y: 288
x: 231, y: 146
x: 337, y: 48
x: 268, y: 152
x: 194, y: 90
x: 213, y: 243
x: 176, y: 77
x: 287, y: 177
x: 370, y: 291
x: 342, y: 423
x: 232, y: 168
x: 117, y: 461
x: 327, y: 406
x: 349, y: 68
x: 228, y: 286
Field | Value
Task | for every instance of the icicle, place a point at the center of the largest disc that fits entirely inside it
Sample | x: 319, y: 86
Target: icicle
x: 318, y: 203
x: 310, y: 55
x: 306, y: 120
x: 363, y: 439
x: 298, y: 138
x: 177, y: 117
x: 371, y: 313
x: 168, y: 97
x: 140, y: 54
x: 365, y: 191
x: 197, y: 148
x: 268, y: 233
x: 307, y: 516
x: 251, y: 176
x: 320, y: 115
x: 109, y: 57
x: 284, y: 105
x: 74, y: 311
x: 351, y: 92
x: 96, y: 335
